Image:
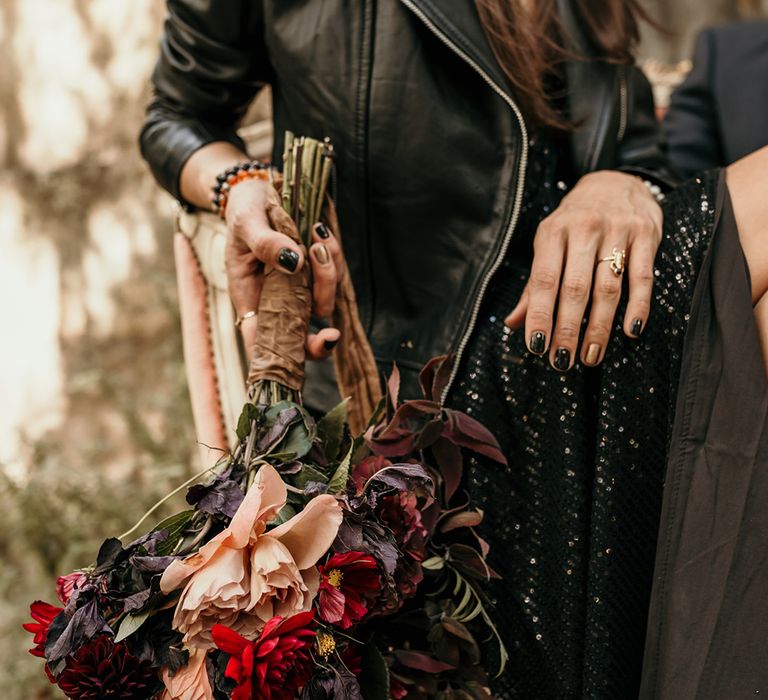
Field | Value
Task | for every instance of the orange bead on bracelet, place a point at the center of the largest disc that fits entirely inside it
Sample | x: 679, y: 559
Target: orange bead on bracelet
x: 230, y: 177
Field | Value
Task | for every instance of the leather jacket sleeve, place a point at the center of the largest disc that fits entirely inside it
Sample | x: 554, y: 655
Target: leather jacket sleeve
x: 210, y: 68
x: 642, y: 150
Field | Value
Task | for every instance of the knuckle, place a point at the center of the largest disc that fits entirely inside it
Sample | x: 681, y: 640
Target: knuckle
x: 539, y: 317
x: 543, y: 281
x: 643, y: 275
x: 575, y: 288
x: 262, y: 246
x: 600, y: 328
x: 590, y: 221
x: 568, y: 332
x: 608, y: 287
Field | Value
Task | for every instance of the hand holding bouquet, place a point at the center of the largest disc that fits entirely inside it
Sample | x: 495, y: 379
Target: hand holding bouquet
x: 315, y: 562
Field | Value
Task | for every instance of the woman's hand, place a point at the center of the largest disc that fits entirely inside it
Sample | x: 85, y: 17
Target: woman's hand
x: 606, y: 210
x: 253, y: 208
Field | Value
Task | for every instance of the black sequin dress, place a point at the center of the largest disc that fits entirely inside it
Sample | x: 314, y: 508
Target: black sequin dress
x: 573, y: 520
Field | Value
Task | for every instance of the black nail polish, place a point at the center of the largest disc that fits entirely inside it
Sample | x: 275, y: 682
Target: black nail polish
x: 330, y: 344
x: 562, y: 359
x: 289, y: 259
x: 538, y: 343
x: 322, y: 231
x: 637, y: 327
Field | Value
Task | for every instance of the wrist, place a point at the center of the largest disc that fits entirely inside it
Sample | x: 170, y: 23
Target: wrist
x: 233, y: 177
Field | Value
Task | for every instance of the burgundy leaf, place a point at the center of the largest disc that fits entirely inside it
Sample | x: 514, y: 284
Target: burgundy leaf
x: 434, y: 377
x: 457, y: 629
x: 465, y: 431
x: 136, y: 601
x: 220, y: 498
x: 450, y: 464
x: 465, y: 518
x: 415, y: 425
x: 85, y: 624
x: 470, y: 562
x: 395, y: 478
x: 421, y: 662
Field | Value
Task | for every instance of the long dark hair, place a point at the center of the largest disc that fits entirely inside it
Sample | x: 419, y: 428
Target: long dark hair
x: 530, y: 45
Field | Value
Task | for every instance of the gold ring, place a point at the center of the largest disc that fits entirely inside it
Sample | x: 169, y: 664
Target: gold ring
x: 244, y: 317
x: 616, y: 258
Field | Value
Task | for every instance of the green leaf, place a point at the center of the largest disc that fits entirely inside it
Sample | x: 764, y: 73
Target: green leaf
x: 433, y: 563
x: 466, y: 598
x: 298, y: 441
x: 286, y: 513
x: 130, y: 623
x: 175, y: 526
x: 250, y: 413
x: 309, y: 473
x: 330, y: 430
x: 338, y: 482
x: 374, y: 679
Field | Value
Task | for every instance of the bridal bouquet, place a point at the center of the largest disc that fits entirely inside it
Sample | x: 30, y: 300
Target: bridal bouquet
x: 314, y: 562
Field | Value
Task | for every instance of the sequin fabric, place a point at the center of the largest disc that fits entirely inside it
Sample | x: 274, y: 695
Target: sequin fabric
x: 572, y: 520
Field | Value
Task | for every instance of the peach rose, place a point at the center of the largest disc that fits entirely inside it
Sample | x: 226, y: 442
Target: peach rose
x: 190, y: 682
x: 245, y: 575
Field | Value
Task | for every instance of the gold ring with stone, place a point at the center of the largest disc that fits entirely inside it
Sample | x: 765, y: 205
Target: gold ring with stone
x: 616, y: 259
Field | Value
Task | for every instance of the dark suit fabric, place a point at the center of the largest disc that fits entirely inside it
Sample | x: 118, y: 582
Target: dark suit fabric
x: 720, y: 113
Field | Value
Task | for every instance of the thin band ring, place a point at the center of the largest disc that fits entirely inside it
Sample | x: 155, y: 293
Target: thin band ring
x: 244, y: 317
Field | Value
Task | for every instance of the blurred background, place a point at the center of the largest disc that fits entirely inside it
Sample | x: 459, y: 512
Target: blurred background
x: 95, y: 423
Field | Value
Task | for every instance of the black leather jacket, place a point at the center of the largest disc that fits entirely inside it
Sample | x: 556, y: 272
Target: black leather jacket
x: 431, y: 146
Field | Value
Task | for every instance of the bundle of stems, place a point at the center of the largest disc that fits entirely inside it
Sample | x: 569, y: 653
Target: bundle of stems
x: 278, y: 356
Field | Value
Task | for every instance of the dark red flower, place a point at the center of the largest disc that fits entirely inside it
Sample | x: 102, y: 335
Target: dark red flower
x: 367, y: 468
x: 43, y: 615
x: 103, y: 669
x: 348, y: 581
x: 65, y: 585
x: 401, y: 514
x: 276, y: 665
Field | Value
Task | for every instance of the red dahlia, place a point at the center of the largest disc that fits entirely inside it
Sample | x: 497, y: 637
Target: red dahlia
x: 103, y: 669
x: 43, y: 615
x: 347, y: 582
x: 273, y: 667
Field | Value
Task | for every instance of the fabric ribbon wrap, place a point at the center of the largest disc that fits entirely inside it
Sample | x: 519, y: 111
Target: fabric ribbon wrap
x: 279, y: 352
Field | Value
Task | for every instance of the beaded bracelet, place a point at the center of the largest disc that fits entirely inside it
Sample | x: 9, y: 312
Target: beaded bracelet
x: 655, y: 191
x: 230, y: 177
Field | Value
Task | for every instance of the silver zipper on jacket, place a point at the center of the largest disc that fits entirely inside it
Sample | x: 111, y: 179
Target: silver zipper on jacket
x: 518, y: 194
x: 623, y: 107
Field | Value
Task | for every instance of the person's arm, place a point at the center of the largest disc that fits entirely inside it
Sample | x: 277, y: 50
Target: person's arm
x: 213, y: 61
x: 691, y: 121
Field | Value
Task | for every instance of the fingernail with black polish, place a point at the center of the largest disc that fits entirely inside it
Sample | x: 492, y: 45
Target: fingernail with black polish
x: 289, y: 259
x: 330, y: 344
x: 637, y: 327
x: 538, y: 343
x: 322, y: 231
x: 562, y: 359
